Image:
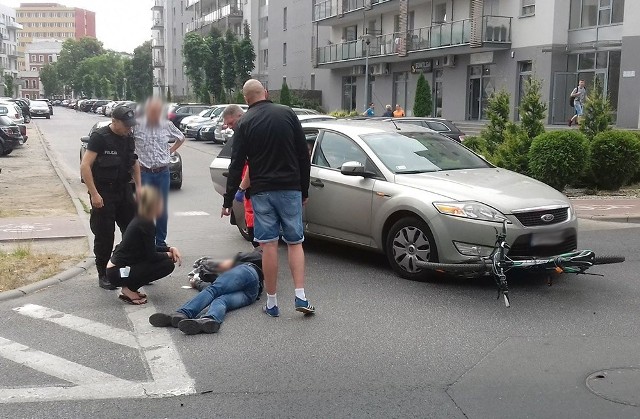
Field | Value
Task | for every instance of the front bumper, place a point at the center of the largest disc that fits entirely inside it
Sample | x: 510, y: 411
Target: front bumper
x: 191, y: 132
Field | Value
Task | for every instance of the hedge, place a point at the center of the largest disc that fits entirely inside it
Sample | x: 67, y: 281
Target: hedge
x: 558, y: 158
x: 614, y: 160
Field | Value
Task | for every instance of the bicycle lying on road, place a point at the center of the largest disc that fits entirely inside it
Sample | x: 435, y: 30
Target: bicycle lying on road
x: 498, y: 264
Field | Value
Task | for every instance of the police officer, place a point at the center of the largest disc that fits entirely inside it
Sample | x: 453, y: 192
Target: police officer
x: 107, y: 168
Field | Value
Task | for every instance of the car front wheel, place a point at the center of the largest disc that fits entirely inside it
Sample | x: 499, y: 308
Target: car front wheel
x: 410, y: 240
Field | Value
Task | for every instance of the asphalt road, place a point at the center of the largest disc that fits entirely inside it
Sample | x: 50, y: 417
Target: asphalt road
x: 379, y: 346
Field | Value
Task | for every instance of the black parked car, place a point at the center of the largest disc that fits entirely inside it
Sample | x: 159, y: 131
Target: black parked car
x: 178, y: 112
x: 175, y: 166
x: 10, y: 136
x: 97, y: 104
x: 442, y: 126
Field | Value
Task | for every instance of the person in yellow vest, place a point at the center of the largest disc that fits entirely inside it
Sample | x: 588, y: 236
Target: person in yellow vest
x: 399, y: 112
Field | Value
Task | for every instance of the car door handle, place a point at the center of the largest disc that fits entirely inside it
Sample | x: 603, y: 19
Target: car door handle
x: 225, y: 174
x: 318, y: 183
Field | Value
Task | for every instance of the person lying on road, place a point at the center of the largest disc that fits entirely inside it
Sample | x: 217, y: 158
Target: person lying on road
x: 238, y: 285
x: 137, y: 261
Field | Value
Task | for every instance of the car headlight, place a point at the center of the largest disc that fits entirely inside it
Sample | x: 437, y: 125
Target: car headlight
x: 174, y: 158
x: 473, y: 210
x: 206, y: 129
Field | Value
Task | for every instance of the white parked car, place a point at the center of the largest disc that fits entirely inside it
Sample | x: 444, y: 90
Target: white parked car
x: 12, y: 111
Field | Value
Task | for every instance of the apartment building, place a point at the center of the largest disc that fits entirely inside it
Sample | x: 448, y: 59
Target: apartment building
x: 170, y: 20
x: 52, y: 21
x: 9, y: 29
x: 468, y: 49
x: 38, y: 54
x: 281, y: 31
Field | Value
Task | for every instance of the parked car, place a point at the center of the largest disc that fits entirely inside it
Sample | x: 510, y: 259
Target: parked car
x: 85, y: 105
x: 193, y: 129
x: 40, y: 108
x: 304, y: 111
x: 203, y: 116
x: 177, y: 114
x: 443, y: 126
x: 175, y: 166
x: 10, y: 136
x: 24, y: 107
x: 49, y: 105
x: 108, y: 108
x: 65, y: 103
x: 12, y: 111
x: 416, y: 195
x: 97, y: 104
x: 57, y: 102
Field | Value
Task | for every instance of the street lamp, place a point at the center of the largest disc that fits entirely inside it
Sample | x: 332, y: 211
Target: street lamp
x: 366, y: 38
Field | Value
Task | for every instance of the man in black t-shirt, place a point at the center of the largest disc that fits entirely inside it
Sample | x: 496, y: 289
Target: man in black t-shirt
x: 107, y: 169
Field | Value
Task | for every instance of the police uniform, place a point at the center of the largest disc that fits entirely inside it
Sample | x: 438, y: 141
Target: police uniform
x: 112, y: 174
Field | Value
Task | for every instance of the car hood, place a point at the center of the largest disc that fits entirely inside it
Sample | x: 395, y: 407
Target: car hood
x: 195, y: 119
x: 502, y: 189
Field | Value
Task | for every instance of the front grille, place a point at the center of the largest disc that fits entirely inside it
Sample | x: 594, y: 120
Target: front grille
x: 522, y: 247
x: 536, y: 218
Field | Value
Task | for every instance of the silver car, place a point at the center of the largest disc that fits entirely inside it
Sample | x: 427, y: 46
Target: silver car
x: 416, y: 195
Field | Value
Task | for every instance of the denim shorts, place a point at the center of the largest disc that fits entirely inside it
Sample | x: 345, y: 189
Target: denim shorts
x: 278, y: 212
x: 578, y: 107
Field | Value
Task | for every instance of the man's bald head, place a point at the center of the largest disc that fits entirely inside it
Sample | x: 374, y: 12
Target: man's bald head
x: 253, y: 91
x: 153, y: 110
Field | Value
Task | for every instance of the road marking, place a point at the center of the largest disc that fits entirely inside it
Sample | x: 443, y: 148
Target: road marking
x: 79, y: 324
x: 25, y: 228
x: 601, y: 207
x: 169, y: 376
x: 190, y: 213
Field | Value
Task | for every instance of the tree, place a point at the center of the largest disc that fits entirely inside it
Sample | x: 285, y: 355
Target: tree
x: 8, y: 85
x: 498, y: 113
x: 73, y: 52
x: 285, y: 95
x: 141, y: 72
x: 50, y: 80
x: 213, y: 68
x: 88, y: 85
x: 597, y: 111
x: 532, y: 109
x: 245, y: 56
x: 227, y: 56
x: 195, y: 52
x: 423, y: 104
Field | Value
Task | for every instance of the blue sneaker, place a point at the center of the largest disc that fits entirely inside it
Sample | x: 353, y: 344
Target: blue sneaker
x: 273, y: 311
x: 303, y: 306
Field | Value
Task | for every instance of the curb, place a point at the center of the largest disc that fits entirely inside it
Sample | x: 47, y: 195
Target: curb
x: 633, y: 219
x: 75, y: 270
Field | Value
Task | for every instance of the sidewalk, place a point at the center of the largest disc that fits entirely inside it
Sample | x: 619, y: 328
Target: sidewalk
x: 626, y: 210
x: 38, y: 228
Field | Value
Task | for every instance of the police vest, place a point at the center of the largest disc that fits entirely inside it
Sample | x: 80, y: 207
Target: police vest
x: 112, y: 166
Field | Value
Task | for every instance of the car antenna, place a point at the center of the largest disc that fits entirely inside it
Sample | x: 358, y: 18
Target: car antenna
x: 394, y: 124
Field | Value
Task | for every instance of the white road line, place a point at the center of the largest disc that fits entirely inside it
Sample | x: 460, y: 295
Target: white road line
x: 169, y: 374
x: 80, y: 324
x: 54, y: 365
x: 190, y: 213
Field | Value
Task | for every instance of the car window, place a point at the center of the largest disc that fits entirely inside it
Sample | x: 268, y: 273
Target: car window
x: 217, y: 111
x: 419, y: 152
x: 183, y: 110
x: 5, y: 120
x: 437, y: 126
x: 335, y: 150
x: 411, y: 122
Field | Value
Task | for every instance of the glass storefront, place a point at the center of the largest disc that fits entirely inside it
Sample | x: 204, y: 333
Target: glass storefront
x: 349, y: 93
x: 604, y: 65
x: 481, y: 87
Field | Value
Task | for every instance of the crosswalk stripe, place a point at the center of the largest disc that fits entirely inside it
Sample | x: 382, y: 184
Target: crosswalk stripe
x: 80, y: 324
x: 54, y: 365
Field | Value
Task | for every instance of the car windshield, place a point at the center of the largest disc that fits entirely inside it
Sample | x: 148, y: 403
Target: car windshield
x: 420, y: 152
x: 39, y: 104
x: 205, y: 113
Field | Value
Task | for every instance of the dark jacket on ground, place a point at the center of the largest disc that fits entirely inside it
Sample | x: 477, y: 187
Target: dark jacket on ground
x: 138, y: 245
x: 271, y: 139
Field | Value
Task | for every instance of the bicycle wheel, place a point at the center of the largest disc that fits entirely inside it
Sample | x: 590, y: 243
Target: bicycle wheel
x: 454, y: 267
x: 607, y: 259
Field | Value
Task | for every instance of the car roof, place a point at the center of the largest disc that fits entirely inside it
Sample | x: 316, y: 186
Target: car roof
x: 354, y: 128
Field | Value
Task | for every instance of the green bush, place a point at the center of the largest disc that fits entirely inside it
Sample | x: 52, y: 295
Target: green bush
x: 558, y: 158
x: 341, y: 113
x: 597, y: 113
x: 423, y: 103
x: 513, y: 153
x: 532, y: 109
x: 615, y: 156
x: 477, y: 144
x: 285, y: 95
x: 498, y: 114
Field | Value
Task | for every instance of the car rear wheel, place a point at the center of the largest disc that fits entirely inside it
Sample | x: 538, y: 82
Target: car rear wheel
x: 48, y: 116
x: 410, y: 240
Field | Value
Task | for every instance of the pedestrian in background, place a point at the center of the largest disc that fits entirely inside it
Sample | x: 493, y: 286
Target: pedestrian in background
x: 399, y: 112
x: 271, y: 139
x: 137, y: 261
x: 154, y: 153
x: 388, y: 111
x: 107, y: 168
x: 579, y: 95
x: 371, y: 110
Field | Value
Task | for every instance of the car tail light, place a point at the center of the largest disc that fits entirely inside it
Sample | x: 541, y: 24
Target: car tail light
x: 172, y: 115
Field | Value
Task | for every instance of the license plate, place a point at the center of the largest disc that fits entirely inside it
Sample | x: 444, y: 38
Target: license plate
x: 548, y: 238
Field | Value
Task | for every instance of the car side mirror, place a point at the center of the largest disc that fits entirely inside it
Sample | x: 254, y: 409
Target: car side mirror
x: 354, y: 168
x: 84, y: 139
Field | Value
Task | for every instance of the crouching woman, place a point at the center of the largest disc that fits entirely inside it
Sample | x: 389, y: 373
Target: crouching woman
x: 136, y: 261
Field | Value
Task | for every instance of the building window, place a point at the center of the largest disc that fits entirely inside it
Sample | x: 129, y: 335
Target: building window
x: 350, y: 33
x: 284, y: 53
x: 284, y: 19
x: 263, y: 27
x: 528, y: 8
x: 589, y: 13
x: 264, y: 58
x: 313, y: 81
x: 349, y: 93
x: 400, y: 84
x: 41, y: 58
x: 526, y: 71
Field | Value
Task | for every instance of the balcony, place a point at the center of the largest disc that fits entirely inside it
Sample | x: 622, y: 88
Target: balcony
x: 158, y: 62
x: 157, y: 24
x: 325, y: 9
x: 157, y: 5
x: 157, y: 43
x: 233, y: 9
x: 495, y: 30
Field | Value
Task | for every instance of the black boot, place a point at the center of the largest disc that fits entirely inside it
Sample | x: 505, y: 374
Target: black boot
x: 201, y: 325
x: 105, y: 283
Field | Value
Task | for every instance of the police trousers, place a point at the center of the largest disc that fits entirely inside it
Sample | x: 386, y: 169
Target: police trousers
x: 119, y: 208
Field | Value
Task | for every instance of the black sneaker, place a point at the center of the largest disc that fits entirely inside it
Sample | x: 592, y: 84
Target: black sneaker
x: 201, y: 325
x: 166, y: 320
x: 105, y: 283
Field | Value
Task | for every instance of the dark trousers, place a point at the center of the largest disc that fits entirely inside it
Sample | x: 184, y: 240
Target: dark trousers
x: 141, y: 273
x: 119, y: 208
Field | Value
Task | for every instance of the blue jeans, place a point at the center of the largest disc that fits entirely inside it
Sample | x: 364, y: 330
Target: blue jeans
x: 161, y: 181
x: 233, y: 289
x: 578, y: 107
x: 276, y: 211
